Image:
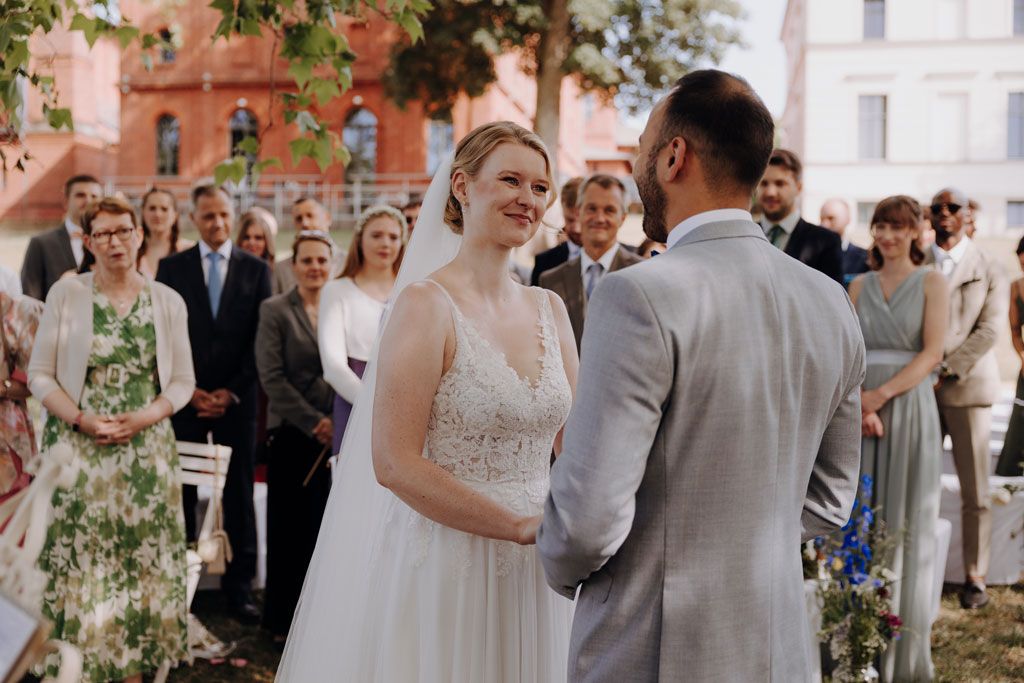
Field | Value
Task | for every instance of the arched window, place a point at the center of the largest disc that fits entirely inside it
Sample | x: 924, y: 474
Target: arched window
x: 243, y: 124
x: 360, y: 137
x: 440, y: 142
x: 168, y: 142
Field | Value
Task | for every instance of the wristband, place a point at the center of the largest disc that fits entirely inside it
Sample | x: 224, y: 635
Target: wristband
x: 76, y: 426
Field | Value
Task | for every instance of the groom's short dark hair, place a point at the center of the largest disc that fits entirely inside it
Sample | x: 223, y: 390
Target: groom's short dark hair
x: 726, y: 123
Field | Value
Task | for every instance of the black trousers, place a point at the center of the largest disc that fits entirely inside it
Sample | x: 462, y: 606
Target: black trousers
x: 294, y: 513
x: 239, y: 512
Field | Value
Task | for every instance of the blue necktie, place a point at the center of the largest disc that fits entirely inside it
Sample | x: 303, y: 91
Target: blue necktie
x: 214, y: 283
x: 593, y: 275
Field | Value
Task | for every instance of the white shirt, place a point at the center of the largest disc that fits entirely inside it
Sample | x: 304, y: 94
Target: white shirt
x: 225, y: 251
x: 713, y: 216
x: 788, y: 225
x: 605, y: 260
x: 948, y: 260
x: 10, y: 283
x: 75, y: 233
x: 347, y: 325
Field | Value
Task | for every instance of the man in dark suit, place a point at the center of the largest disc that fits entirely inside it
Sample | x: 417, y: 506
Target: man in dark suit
x: 835, y: 215
x: 571, y: 246
x: 57, y: 251
x: 223, y: 287
x: 602, y: 210
x: 814, y: 245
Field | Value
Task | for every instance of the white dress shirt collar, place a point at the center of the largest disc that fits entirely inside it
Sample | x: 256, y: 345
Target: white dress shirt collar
x: 948, y: 260
x: 75, y: 234
x: 788, y: 224
x: 605, y: 260
x: 224, y: 250
x: 694, y: 222
x: 574, y: 249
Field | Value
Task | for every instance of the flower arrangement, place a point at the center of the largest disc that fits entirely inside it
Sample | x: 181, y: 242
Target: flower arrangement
x: 857, y: 619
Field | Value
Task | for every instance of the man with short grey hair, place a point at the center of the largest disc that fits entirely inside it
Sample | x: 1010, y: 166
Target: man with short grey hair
x: 835, y: 215
x: 602, y: 211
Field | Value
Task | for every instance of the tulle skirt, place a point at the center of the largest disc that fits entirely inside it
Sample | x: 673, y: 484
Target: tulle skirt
x: 437, y: 606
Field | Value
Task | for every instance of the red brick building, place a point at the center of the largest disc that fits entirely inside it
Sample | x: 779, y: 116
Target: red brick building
x: 135, y: 128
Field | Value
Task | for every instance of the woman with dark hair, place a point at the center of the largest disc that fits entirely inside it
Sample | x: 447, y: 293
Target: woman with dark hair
x: 351, y: 306
x: 159, y: 229
x: 902, y: 310
x: 299, y: 412
x: 1011, y: 460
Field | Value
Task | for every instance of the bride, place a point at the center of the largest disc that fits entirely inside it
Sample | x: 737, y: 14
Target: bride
x: 430, y: 576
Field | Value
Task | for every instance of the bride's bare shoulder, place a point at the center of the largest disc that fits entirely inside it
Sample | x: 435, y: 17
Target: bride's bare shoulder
x: 422, y: 304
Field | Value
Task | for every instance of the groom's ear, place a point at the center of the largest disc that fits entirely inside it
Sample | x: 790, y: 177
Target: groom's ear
x: 674, y: 163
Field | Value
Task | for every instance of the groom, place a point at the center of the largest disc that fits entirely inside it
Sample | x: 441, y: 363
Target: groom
x: 716, y: 423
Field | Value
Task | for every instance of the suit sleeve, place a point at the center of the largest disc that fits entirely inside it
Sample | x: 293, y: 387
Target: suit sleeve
x: 285, y: 400
x: 242, y: 383
x: 832, y: 488
x: 618, y: 410
x: 32, y: 270
x: 989, y: 326
x: 830, y: 260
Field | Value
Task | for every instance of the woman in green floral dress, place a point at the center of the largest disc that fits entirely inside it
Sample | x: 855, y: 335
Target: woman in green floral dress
x: 111, y: 364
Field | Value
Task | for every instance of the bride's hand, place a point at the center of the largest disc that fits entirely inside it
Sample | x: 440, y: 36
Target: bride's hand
x: 528, y: 530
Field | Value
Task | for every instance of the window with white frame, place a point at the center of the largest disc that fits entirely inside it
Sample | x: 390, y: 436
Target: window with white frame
x: 871, y: 112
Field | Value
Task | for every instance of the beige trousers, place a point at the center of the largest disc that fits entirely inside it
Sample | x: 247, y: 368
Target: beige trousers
x: 970, y: 428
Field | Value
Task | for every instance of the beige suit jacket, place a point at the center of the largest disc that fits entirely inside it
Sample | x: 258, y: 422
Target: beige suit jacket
x: 978, y: 300
x: 60, y: 356
x: 566, y: 281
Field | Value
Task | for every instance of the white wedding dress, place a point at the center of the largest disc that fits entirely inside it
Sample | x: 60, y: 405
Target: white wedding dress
x: 394, y: 597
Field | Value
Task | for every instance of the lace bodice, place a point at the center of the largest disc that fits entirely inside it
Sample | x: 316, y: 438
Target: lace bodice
x: 488, y: 426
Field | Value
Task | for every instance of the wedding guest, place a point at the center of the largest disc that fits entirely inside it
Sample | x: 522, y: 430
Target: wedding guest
x: 19, y: 318
x: 162, y: 235
x: 310, y: 214
x: 835, y: 216
x: 785, y: 228
x: 351, y: 306
x: 571, y: 240
x: 298, y: 481
x: 902, y: 309
x: 1011, y: 459
x: 257, y: 229
x: 411, y: 211
x: 971, y: 217
x: 927, y: 231
x: 10, y: 283
x: 969, y: 375
x: 602, y: 211
x: 223, y: 286
x: 110, y: 364
x: 649, y: 247
x: 54, y: 253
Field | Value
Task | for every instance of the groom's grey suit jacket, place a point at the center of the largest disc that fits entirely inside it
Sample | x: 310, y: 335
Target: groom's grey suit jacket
x: 716, y: 425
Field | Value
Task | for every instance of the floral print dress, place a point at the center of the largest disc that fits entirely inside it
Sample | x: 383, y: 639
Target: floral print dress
x: 115, y: 551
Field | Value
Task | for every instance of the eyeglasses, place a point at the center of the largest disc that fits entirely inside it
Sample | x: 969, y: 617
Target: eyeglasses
x: 103, y: 238
x: 939, y: 206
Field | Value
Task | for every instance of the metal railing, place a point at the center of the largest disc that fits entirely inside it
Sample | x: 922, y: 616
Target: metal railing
x: 276, y: 193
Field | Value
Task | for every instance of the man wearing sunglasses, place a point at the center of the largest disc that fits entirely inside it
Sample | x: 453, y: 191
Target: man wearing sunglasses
x: 969, y: 376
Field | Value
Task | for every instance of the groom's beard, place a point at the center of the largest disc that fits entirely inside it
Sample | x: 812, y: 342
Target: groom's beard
x: 653, y: 199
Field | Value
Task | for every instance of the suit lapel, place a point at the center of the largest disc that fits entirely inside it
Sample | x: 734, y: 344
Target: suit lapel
x: 67, y: 253
x: 233, y: 282
x: 621, y: 260
x: 197, y: 283
x: 572, y: 284
x: 965, y: 270
x: 295, y: 301
x: 795, y: 240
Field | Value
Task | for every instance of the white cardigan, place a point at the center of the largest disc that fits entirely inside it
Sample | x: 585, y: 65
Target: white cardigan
x: 63, y: 342
x: 347, y: 326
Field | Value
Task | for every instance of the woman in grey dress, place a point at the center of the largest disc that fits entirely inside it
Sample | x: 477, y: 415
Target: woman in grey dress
x: 902, y: 309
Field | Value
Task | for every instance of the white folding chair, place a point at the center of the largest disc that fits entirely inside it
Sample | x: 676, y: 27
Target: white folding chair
x: 202, y: 464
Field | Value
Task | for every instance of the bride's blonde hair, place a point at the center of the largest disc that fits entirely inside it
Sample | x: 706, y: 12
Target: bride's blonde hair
x: 473, y: 150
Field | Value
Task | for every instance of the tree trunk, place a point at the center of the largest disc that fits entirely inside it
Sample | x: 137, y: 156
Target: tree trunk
x: 551, y: 55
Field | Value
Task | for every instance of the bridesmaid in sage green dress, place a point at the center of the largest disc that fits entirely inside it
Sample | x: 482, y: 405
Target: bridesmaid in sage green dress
x: 902, y: 310
x: 1011, y: 460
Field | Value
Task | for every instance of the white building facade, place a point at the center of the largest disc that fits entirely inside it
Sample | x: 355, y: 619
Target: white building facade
x: 907, y: 97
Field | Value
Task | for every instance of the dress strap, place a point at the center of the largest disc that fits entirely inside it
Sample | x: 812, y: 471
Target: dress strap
x: 548, y: 330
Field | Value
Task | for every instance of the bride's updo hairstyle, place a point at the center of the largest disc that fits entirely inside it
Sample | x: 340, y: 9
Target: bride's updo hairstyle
x: 473, y: 150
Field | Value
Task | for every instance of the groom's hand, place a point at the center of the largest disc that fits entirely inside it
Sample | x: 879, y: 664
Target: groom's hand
x: 528, y: 530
